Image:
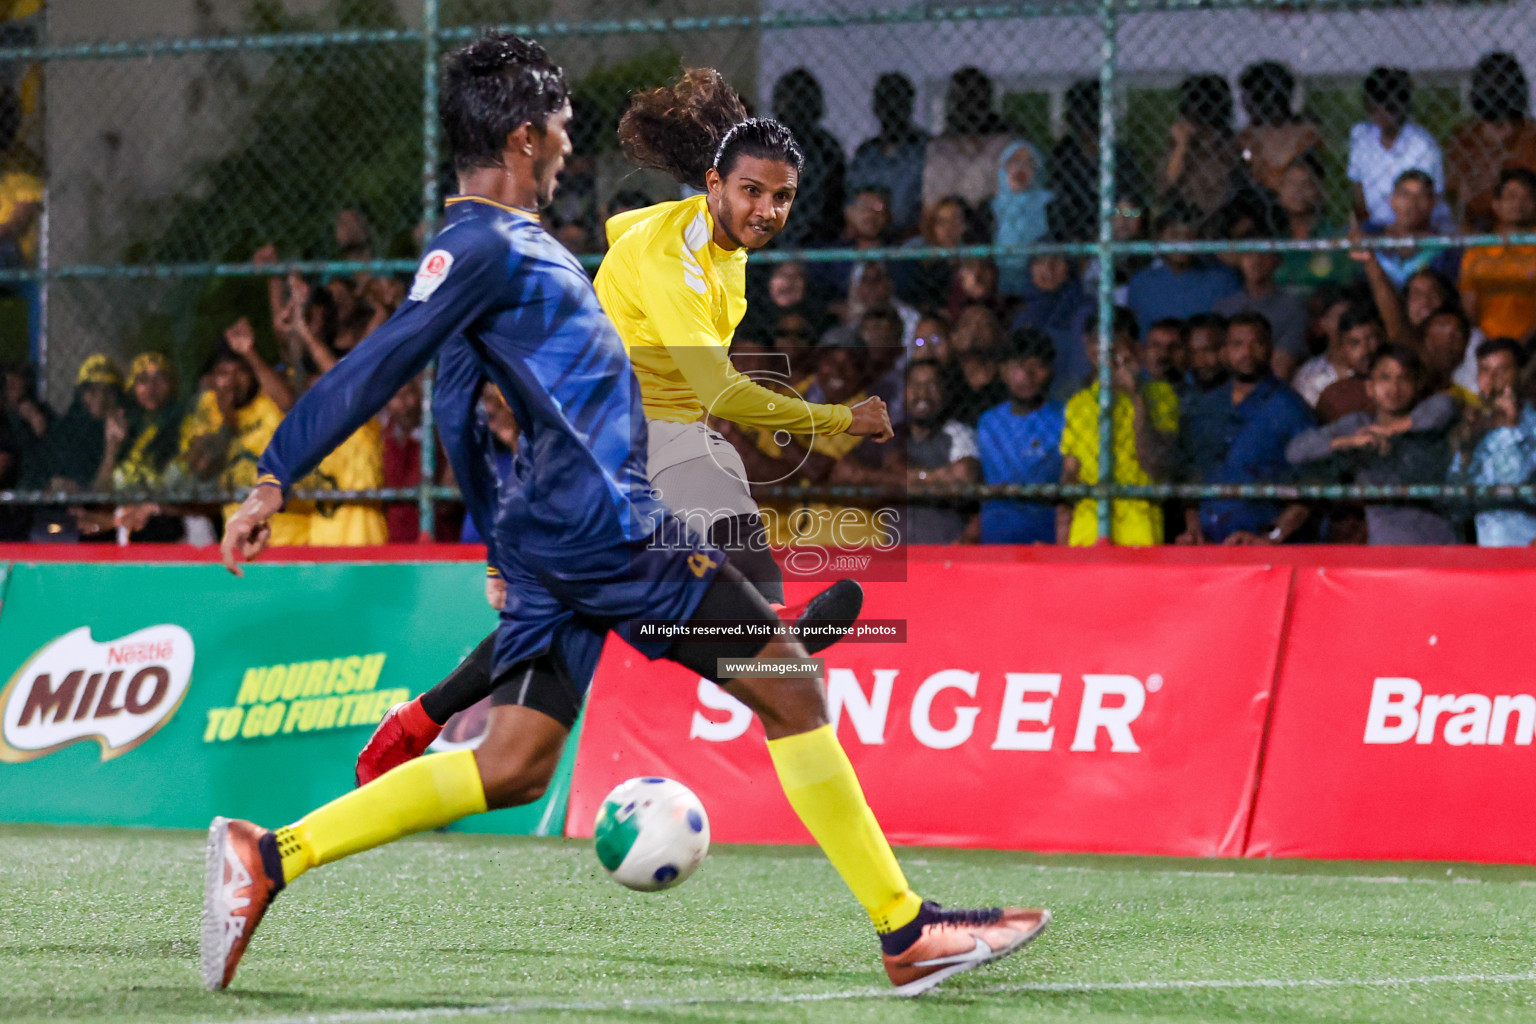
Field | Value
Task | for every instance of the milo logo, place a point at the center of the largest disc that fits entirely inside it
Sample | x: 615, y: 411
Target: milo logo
x: 117, y: 693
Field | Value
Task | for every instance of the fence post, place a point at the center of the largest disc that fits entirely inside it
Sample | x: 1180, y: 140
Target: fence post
x: 425, y: 507
x: 1106, y: 261
x: 37, y: 302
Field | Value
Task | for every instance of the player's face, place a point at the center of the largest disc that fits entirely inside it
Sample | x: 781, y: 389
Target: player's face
x: 752, y: 204
x: 551, y: 147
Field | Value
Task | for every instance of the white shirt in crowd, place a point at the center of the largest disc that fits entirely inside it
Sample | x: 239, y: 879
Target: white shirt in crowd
x: 1466, y: 373
x: 1376, y: 168
x: 1313, y: 379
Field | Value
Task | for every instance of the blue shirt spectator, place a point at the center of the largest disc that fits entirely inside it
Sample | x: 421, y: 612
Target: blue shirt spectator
x: 893, y: 160
x: 1505, y: 455
x: 1237, y: 433
x: 1498, y: 445
x: 1020, y: 443
x: 1179, y: 285
x: 1173, y: 288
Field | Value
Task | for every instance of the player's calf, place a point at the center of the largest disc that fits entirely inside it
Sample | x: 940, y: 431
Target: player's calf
x: 518, y: 757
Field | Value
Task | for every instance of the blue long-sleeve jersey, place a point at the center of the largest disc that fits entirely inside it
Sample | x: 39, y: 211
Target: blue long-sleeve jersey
x: 501, y: 299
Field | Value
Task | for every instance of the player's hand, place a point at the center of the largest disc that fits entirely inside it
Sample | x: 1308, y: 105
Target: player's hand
x: 246, y: 534
x: 495, y: 592
x: 872, y: 419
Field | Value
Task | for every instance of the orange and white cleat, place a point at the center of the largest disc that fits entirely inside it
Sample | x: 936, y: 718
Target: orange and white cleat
x: 949, y: 942
x: 243, y: 874
x: 404, y: 733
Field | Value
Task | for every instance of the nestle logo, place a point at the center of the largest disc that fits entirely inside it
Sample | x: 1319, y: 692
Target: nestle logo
x: 117, y: 693
x: 134, y: 653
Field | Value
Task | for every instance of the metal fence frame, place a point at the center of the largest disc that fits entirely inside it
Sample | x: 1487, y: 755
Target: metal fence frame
x: 432, y: 37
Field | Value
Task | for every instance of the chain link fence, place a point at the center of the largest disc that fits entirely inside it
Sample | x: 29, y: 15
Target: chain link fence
x: 1340, y: 192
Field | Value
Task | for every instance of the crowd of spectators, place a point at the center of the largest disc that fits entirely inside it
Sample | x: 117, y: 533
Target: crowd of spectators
x: 1403, y: 365
x: 142, y: 432
x: 1399, y: 365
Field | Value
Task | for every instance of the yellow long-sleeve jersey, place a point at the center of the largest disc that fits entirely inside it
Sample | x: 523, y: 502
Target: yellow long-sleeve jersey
x: 676, y: 298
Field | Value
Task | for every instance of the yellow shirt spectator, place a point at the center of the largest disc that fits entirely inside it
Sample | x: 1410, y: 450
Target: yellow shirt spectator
x: 255, y: 423
x: 1134, y: 523
x: 18, y: 189
x: 355, y: 466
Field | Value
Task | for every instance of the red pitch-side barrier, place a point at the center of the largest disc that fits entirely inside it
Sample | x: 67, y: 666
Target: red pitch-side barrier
x: 1290, y: 702
x: 1404, y: 723
x: 1318, y: 702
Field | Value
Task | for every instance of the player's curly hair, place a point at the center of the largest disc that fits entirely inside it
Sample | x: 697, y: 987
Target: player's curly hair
x: 677, y: 128
x: 697, y: 123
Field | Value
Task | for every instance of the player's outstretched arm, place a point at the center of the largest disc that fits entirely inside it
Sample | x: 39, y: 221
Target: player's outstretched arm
x: 247, y: 532
x: 455, y: 286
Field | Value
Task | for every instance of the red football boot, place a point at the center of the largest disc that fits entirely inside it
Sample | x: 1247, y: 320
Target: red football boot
x: 405, y: 732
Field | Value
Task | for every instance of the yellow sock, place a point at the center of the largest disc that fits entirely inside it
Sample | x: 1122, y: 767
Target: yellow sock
x: 822, y: 788
x: 428, y: 792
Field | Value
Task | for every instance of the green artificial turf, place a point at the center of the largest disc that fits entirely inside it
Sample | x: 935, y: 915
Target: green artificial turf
x: 101, y: 925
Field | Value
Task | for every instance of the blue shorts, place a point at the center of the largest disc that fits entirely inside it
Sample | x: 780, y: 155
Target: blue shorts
x: 567, y: 605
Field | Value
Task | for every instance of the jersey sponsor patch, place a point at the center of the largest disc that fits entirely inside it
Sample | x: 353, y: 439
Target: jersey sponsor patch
x: 432, y: 272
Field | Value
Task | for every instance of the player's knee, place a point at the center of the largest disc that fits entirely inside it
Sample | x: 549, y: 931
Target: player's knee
x: 511, y: 781
x: 793, y: 706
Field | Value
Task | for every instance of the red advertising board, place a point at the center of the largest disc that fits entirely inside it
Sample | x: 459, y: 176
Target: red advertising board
x: 1093, y: 707
x: 1404, y: 721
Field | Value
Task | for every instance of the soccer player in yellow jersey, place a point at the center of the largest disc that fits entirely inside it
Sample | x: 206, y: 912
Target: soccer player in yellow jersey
x: 674, y: 284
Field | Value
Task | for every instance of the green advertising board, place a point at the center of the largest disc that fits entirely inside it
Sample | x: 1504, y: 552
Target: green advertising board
x: 162, y: 695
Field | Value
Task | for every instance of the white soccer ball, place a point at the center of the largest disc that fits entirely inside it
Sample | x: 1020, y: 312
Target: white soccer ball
x: 651, y: 833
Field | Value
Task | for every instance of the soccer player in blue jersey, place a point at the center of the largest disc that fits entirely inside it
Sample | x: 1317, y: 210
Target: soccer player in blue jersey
x: 578, y: 535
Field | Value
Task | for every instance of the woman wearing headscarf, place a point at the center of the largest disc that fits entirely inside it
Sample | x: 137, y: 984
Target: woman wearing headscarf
x: 82, y: 447
x: 1019, y: 211
x: 147, y: 460
x: 80, y: 450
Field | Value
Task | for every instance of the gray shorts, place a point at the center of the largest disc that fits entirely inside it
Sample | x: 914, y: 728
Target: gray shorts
x: 699, y: 473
